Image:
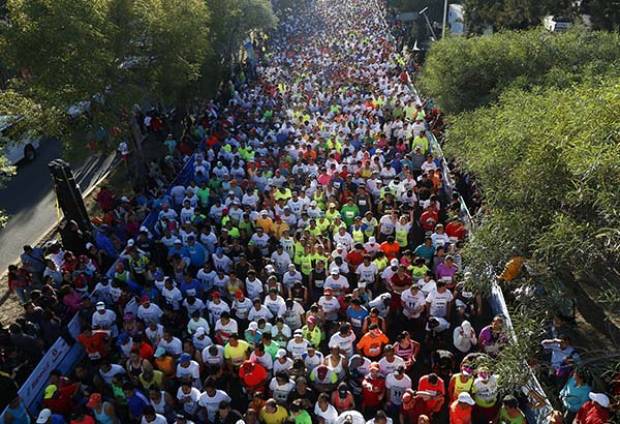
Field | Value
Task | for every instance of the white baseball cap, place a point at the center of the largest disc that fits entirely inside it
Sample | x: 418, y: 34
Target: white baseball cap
x: 281, y: 353
x: 335, y: 271
x: 44, y: 416
x: 200, y: 331
x: 465, y: 397
x: 600, y: 398
x: 253, y: 326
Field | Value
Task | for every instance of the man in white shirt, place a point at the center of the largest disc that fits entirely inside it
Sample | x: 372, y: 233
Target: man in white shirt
x: 172, y: 345
x: 297, y: 346
x: 149, y: 312
x: 211, y: 398
x: 397, y: 382
x: 413, y: 301
x: 338, y: 283
x: 438, y: 301
x: 330, y: 304
x: 390, y: 362
x: 344, y: 340
x: 104, y: 319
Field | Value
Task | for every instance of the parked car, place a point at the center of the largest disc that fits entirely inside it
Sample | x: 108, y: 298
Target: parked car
x: 556, y: 23
x: 17, y: 148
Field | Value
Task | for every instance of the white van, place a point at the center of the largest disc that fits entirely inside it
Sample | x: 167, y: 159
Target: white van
x: 23, y: 148
x: 556, y: 23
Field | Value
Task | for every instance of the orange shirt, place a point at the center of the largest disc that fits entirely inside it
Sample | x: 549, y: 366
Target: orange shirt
x: 265, y: 223
x: 390, y: 249
x: 372, y: 345
x: 166, y: 364
x: 459, y: 413
x: 439, y: 389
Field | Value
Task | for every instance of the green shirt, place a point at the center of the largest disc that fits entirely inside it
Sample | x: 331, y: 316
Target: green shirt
x: 348, y: 213
x: 303, y: 417
x: 203, y: 196
x: 505, y: 419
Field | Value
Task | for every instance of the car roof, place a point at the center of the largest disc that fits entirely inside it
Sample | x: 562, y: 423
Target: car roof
x: 7, y: 121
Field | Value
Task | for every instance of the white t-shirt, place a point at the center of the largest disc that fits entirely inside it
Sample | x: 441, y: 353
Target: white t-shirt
x: 413, y: 304
x: 344, y: 343
x: 189, y: 400
x: 367, y: 273
x: 330, y: 307
x: 397, y: 387
x: 212, y: 403
x: 265, y: 360
x: 278, y: 366
x: 254, y: 288
x: 213, y: 360
x: 273, y: 305
x: 193, y: 370
x: 439, y: 303
x: 281, y: 391
x: 386, y: 367
x: 297, y: 349
x: 337, y: 285
x: 174, y: 347
x: 329, y: 415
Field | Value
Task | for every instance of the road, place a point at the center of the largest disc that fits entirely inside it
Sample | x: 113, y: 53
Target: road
x: 30, y: 201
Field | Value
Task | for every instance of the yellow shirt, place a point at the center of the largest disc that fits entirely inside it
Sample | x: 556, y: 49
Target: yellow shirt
x: 277, y: 417
x: 236, y: 353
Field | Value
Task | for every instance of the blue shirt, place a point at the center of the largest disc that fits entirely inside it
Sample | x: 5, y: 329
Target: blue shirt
x: 19, y: 414
x: 427, y: 252
x: 136, y: 403
x: 356, y: 318
x: 574, y: 396
x: 197, y: 254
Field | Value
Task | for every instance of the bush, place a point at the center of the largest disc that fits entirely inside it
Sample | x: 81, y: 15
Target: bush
x: 465, y: 73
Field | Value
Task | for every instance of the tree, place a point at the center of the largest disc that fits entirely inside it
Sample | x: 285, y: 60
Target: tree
x: 547, y: 162
x: 464, y: 73
x: 605, y: 14
x: 511, y: 14
x: 120, y: 52
x: 235, y: 21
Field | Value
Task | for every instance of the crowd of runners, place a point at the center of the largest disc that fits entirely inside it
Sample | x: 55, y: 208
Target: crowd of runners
x: 308, y: 270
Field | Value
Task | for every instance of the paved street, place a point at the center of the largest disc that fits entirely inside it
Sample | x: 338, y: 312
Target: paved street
x: 30, y: 201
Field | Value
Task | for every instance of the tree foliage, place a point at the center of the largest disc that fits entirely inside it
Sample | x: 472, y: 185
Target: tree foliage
x: 549, y: 165
x: 512, y: 14
x: 464, y: 73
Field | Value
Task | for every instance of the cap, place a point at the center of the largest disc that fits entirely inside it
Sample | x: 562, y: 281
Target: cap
x: 159, y: 352
x: 361, y: 284
x: 600, y: 398
x: 216, y: 294
x: 89, y: 245
x: 372, y: 239
x: 281, y: 353
x: 185, y: 357
x: 465, y: 397
x: 144, y: 299
x: 465, y: 325
x: 335, y: 271
x: 124, y: 199
x: 311, y: 320
x: 44, y: 415
x: 200, y: 331
x: 394, y: 262
x: 328, y: 291
x: 191, y: 292
x: 100, y: 306
x: 130, y: 242
x: 178, y: 241
x: 238, y: 294
x: 298, y: 332
x: 93, y: 400
x: 374, y: 366
x: 253, y: 326
x: 49, y: 391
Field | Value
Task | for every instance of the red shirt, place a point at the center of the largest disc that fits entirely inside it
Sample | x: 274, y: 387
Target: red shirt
x: 94, y: 344
x: 373, y: 390
x: 390, y: 249
x: 456, y: 229
x: 355, y: 258
x: 438, y: 388
x: 429, y: 219
x: 592, y: 413
x: 413, y: 411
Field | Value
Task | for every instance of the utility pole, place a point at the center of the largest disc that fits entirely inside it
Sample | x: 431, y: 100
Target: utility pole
x: 445, y: 17
x: 428, y: 23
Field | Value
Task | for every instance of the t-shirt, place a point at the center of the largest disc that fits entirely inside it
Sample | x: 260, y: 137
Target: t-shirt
x: 439, y: 303
x: 413, y: 304
x: 278, y: 417
x: 367, y: 273
x: 212, y: 403
x: 344, y: 343
x: 397, y: 387
x: 236, y: 353
x: 280, y: 391
x: 387, y: 368
x: 297, y: 349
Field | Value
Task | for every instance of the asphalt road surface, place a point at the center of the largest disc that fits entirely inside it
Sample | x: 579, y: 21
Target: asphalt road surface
x: 30, y: 201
